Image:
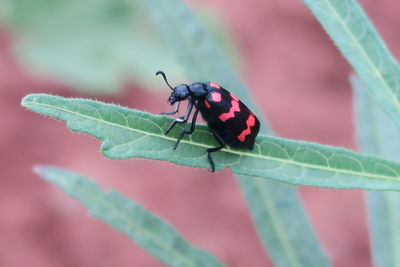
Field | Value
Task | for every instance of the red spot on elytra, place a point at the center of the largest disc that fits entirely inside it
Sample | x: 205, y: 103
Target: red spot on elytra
x: 207, y: 104
x: 216, y: 97
x: 215, y: 85
x: 251, y: 120
x: 231, y: 113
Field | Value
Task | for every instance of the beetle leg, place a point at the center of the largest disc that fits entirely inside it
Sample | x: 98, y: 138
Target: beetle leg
x: 187, y: 131
x: 181, y: 119
x: 222, y: 144
x: 176, y: 109
x: 177, y: 120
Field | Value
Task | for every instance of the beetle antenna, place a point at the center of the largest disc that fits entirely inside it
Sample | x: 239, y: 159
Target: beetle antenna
x: 165, y: 78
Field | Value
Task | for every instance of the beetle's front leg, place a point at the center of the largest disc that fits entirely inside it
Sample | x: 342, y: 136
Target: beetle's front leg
x: 181, y: 119
x: 176, y: 109
x: 187, y: 131
x: 174, y: 122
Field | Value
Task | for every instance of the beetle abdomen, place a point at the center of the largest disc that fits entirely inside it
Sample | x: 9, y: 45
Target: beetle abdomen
x: 229, y: 117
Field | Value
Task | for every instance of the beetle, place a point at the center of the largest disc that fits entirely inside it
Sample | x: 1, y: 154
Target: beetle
x: 229, y: 120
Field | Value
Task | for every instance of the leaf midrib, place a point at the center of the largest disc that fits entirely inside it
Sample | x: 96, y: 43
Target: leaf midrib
x: 375, y: 69
x: 228, y: 150
x: 389, y: 200
x: 132, y: 223
x: 284, y: 240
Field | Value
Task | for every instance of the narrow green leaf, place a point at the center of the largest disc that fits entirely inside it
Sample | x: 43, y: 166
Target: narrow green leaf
x: 200, y: 56
x: 102, y: 43
x: 274, y: 208
x: 129, y: 133
x: 203, y: 61
x: 377, y: 134
x: 354, y: 35
x: 148, y: 230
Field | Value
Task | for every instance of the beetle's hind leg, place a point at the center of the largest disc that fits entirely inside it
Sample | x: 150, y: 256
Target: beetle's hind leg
x: 222, y: 144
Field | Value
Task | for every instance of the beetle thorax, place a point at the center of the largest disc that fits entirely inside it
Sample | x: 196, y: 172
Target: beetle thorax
x: 198, y: 90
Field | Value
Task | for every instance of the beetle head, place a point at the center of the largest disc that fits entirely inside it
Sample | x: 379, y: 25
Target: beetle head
x: 179, y: 93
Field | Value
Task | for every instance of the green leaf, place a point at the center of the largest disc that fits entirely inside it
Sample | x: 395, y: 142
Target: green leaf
x: 200, y: 56
x: 129, y: 133
x: 272, y: 213
x: 377, y: 134
x: 354, y: 35
x: 102, y: 44
x: 148, y: 230
x: 93, y: 45
x: 274, y: 207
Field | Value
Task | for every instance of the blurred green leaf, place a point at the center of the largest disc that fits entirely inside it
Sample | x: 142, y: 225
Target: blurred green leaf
x: 93, y: 45
x: 274, y: 207
x: 129, y: 133
x: 149, y: 231
x: 377, y: 134
x: 354, y: 35
x: 193, y: 45
x: 272, y: 213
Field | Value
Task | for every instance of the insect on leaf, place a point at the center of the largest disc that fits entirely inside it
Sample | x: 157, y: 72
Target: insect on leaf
x: 281, y: 236
x: 130, y: 133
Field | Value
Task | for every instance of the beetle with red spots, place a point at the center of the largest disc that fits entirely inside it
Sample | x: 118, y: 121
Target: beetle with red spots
x: 230, y: 121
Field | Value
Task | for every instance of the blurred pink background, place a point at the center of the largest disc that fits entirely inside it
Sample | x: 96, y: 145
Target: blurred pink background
x: 301, y: 83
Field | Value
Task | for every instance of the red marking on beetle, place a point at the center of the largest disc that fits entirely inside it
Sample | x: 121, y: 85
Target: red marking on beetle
x: 216, y: 97
x: 231, y: 113
x: 215, y: 85
x: 251, y: 121
x: 234, y: 97
x: 207, y: 104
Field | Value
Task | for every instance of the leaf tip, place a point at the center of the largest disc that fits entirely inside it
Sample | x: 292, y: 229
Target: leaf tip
x: 39, y: 169
x: 25, y: 100
x: 29, y: 99
x: 44, y: 171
